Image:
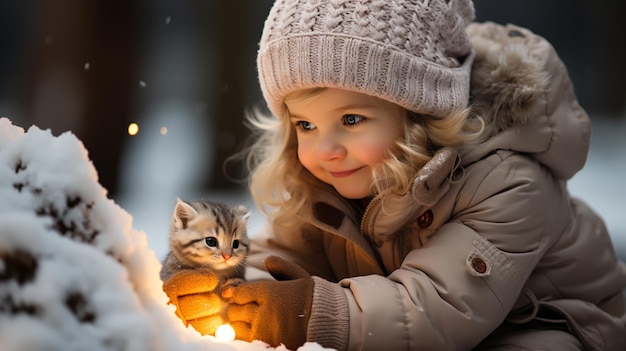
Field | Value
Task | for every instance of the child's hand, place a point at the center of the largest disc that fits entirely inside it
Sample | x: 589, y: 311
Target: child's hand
x: 273, y: 311
x: 196, y: 299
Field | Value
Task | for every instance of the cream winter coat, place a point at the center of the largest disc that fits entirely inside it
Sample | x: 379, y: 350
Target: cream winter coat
x: 485, y: 231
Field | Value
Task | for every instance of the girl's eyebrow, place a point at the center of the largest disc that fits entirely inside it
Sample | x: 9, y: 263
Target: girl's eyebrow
x: 292, y: 116
x: 364, y: 106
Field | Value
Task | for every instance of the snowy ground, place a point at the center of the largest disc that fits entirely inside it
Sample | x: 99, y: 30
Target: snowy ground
x: 600, y: 183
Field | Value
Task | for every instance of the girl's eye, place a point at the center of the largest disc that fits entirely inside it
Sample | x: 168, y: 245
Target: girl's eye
x: 305, y: 126
x: 210, y: 241
x: 235, y: 244
x: 352, y: 120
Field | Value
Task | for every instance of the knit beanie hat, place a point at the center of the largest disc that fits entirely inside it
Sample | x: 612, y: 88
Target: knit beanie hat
x: 414, y: 53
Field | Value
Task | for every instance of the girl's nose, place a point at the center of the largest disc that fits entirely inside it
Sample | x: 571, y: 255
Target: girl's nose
x: 329, y: 148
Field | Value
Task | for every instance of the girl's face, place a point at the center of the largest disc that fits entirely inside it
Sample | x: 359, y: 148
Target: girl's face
x: 342, y: 135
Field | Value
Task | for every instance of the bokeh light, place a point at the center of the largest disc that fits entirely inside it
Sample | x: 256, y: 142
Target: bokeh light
x: 133, y: 129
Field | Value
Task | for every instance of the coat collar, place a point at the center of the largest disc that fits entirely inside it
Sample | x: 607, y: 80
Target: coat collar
x: 389, y: 212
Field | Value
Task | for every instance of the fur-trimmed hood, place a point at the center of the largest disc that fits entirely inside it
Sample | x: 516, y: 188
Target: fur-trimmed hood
x: 522, y: 90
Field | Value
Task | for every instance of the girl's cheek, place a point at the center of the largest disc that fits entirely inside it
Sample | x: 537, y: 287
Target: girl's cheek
x: 304, y: 154
x: 374, y: 150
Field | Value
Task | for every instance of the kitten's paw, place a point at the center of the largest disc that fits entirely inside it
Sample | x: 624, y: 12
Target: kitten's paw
x: 233, y: 282
x: 227, y: 291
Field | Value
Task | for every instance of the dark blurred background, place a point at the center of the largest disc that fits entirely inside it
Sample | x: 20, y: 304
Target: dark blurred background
x: 184, y: 71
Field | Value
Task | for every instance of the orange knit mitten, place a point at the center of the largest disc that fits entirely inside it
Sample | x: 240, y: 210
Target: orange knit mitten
x: 197, y: 301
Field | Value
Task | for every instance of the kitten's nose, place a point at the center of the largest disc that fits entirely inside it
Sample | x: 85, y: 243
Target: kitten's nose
x: 226, y: 256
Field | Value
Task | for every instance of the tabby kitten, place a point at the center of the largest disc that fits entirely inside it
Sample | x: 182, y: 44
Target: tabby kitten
x: 208, y: 235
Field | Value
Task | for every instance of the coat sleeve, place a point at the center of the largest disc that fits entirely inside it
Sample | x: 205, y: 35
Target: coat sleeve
x: 302, y: 247
x: 454, y: 291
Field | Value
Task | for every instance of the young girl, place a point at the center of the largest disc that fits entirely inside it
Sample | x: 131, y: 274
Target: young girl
x: 414, y: 174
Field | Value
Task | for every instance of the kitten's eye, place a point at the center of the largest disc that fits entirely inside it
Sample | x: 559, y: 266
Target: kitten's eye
x: 235, y: 244
x: 210, y: 241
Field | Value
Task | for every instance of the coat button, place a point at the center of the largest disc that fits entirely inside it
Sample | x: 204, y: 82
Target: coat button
x: 425, y: 219
x: 479, y: 265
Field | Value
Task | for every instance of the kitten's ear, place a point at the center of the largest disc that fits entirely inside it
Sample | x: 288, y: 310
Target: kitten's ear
x: 183, y: 213
x: 245, y: 214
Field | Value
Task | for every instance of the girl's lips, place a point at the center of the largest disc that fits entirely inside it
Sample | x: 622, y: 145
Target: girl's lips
x: 344, y: 173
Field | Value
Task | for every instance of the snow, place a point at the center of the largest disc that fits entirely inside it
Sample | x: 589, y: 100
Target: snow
x: 74, y: 273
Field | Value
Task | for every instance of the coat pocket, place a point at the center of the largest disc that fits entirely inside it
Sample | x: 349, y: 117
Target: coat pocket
x: 596, y: 329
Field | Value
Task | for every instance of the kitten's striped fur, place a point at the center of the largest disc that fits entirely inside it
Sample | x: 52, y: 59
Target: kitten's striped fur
x: 208, y: 235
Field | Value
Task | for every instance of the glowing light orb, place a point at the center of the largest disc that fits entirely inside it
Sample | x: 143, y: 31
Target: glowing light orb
x: 163, y: 130
x: 133, y: 129
x: 225, y: 333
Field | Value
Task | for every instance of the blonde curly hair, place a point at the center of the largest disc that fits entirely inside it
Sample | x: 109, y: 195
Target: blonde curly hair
x: 281, y: 186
